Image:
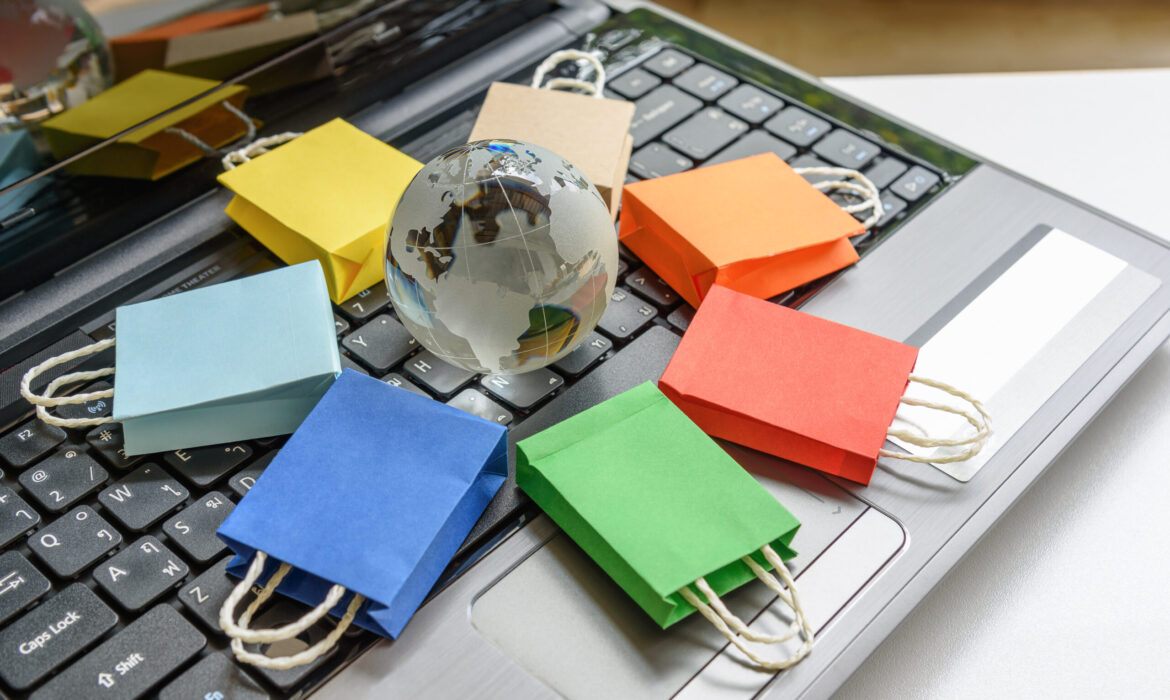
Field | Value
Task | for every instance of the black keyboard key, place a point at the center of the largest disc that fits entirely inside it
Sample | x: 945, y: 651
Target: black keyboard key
x: 395, y: 379
x: 30, y: 442
x: 751, y: 104
x: 52, y: 633
x: 340, y: 325
x: 681, y: 317
x: 634, y: 83
x: 109, y: 441
x: 755, y: 143
x: 131, y: 662
x: 623, y: 267
x: 193, y: 530
x: 72, y: 542
x: 63, y: 479
x: 810, y: 161
x: 205, y: 466
x: 94, y: 408
x: 477, y: 404
x: 705, y: 133
x: 205, y: 595
x: 347, y: 363
x: 885, y: 171
x: 657, y: 160
x: 436, y: 375
x: 668, y: 63
x: 143, y: 498
x: 625, y: 314
x: 16, y: 516
x: 705, y: 82
x: 891, y: 207
x: 523, y: 391
x: 381, y: 343
x: 21, y: 584
x: 585, y: 355
x: 914, y: 184
x: 279, y: 615
x: 659, y: 110
x: 847, y: 149
x: 139, y: 574
x: 646, y: 284
x: 366, y: 303
x: 797, y: 126
x: 215, y: 677
x: 245, y: 479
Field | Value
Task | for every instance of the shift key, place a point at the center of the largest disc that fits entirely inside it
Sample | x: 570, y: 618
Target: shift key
x: 131, y: 662
x: 51, y: 634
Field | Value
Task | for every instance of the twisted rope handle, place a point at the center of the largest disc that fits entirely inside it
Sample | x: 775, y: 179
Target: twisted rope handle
x: 737, y: 632
x: 556, y: 58
x: 201, y: 144
x: 241, y: 632
x: 256, y: 148
x: 863, y: 187
x: 980, y: 420
x: 47, y: 400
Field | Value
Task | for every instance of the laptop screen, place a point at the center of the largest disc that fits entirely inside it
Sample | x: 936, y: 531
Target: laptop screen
x: 137, y: 122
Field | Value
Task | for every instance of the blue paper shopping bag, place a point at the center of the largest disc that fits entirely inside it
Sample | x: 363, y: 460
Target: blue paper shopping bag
x: 238, y: 360
x: 376, y: 516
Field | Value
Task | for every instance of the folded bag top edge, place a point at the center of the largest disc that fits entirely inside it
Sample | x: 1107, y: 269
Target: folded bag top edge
x: 186, y: 343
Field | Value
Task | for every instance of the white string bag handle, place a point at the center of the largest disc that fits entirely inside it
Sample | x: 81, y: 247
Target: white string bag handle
x: 861, y: 186
x: 980, y: 420
x: 47, y: 400
x: 593, y: 87
x: 240, y: 632
x: 256, y: 148
x: 201, y: 144
x: 737, y: 632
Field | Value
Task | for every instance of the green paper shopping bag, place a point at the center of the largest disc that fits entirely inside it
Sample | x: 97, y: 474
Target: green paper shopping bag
x: 670, y: 516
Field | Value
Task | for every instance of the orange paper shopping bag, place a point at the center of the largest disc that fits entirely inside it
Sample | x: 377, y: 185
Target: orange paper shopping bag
x: 753, y: 225
x: 802, y: 388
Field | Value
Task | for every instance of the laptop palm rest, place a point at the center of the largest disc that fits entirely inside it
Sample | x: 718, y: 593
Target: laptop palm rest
x: 562, y: 619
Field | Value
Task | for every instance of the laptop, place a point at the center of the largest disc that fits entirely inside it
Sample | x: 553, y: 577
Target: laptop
x: 1044, y: 306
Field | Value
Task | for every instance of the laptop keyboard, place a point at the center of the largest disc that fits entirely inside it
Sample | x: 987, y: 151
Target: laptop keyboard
x: 111, y: 578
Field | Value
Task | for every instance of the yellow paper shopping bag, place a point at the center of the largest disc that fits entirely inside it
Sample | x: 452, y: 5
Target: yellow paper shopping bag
x: 155, y: 149
x: 327, y: 195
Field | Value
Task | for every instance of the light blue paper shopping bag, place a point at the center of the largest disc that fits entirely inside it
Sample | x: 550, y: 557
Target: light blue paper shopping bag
x: 18, y: 160
x: 238, y: 360
x: 375, y: 518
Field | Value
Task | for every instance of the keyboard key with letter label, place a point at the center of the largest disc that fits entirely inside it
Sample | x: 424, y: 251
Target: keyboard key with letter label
x: 143, y: 498
x: 16, y: 516
x: 669, y: 63
x: 658, y: 111
x: 885, y: 171
x: 705, y: 82
x: 246, y: 478
x: 438, y: 376
x: 109, y: 441
x: 29, y: 443
x: 193, y: 530
x: 52, y: 633
x: 217, y: 676
x: 657, y: 160
x: 131, y: 662
x: 204, y: 596
x: 523, y: 391
x: 585, y: 356
x: 21, y: 584
x: 366, y: 303
x: 634, y: 83
x: 797, y: 126
x: 72, y: 542
x: 63, y: 479
x: 914, y: 184
x: 477, y: 404
x: 755, y: 143
x: 381, y: 343
x: 705, y: 133
x: 847, y: 149
x: 395, y: 379
x: 750, y: 103
x: 625, y: 314
x: 139, y: 574
x: 205, y: 466
x: 650, y: 286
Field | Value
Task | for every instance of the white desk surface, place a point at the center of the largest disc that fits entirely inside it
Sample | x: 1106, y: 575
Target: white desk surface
x: 1069, y: 594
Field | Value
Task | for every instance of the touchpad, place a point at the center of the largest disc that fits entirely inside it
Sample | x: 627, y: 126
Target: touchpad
x: 564, y: 620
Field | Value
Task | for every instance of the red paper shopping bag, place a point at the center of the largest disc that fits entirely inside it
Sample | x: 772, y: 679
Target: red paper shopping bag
x: 788, y: 383
x: 753, y: 225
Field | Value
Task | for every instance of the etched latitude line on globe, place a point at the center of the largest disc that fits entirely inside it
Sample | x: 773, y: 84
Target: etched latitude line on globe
x: 500, y: 256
